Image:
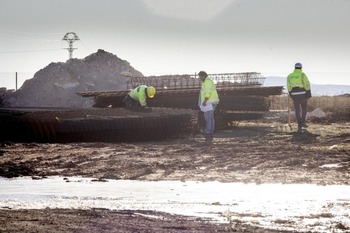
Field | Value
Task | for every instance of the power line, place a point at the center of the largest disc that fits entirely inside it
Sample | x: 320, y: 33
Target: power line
x: 28, y: 38
x: 70, y: 37
x: 30, y: 33
x: 30, y: 51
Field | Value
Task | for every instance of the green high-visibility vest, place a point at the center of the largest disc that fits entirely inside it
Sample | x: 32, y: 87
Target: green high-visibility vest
x: 298, y: 79
x: 139, y: 94
x: 208, y: 90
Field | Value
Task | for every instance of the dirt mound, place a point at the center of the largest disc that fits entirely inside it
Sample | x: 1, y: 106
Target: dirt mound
x: 3, y: 96
x: 57, y: 84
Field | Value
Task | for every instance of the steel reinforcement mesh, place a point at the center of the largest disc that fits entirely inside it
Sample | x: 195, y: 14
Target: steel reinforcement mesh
x: 237, y: 91
x: 236, y: 103
x: 238, y: 99
x: 193, y: 81
x: 102, y: 125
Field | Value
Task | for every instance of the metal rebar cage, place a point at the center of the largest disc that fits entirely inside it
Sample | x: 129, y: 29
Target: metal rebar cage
x: 193, y: 81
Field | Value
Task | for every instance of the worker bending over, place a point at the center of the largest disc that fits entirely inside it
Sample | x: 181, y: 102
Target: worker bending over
x: 138, y: 96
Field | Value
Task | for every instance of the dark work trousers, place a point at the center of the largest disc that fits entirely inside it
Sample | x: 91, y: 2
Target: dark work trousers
x: 130, y: 102
x: 300, y: 107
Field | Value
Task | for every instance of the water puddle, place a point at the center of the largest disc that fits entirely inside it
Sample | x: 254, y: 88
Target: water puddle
x: 334, y: 165
x: 298, y: 207
x: 331, y: 165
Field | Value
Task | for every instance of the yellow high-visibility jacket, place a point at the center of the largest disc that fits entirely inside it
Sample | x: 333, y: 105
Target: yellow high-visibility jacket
x: 208, y: 90
x: 139, y: 94
x: 298, y: 79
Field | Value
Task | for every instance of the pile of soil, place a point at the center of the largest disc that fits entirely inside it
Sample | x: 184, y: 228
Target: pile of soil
x: 341, y: 115
x: 57, y: 84
x: 2, y: 94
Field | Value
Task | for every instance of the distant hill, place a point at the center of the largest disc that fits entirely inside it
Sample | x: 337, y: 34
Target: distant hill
x: 317, y: 89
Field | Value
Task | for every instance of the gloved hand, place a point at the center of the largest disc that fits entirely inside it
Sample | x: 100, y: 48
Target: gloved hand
x: 141, y: 109
x: 146, y: 109
x: 308, y: 94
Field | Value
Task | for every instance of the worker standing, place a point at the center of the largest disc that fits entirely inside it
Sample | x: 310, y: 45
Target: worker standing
x: 208, y: 101
x: 138, y: 96
x: 298, y: 86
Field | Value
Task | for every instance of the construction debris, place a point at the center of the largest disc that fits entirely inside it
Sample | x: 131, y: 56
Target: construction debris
x: 317, y: 113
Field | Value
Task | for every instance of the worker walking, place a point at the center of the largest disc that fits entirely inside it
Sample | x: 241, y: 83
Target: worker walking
x: 208, y: 101
x: 138, y: 96
x: 298, y: 86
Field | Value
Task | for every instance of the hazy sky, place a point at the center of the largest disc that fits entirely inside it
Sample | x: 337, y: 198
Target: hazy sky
x: 183, y: 36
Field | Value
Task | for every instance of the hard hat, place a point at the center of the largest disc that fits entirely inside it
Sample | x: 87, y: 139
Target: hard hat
x: 203, y: 74
x: 298, y: 65
x: 151, y: 91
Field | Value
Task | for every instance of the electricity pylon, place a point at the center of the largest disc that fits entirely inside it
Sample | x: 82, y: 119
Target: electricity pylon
x: 70, y: 37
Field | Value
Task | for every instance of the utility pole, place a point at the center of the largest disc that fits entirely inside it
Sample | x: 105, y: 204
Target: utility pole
x: 16, y: 81
x: 70, y: 37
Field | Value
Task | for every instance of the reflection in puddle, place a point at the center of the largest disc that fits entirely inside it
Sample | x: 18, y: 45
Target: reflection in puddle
x: 331, y: 165
x: 334, y: 165
x: 290, y: 207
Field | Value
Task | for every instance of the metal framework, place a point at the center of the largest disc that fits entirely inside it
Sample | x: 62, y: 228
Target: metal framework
x: 94, y: 125
x: 70, y: 37
x: 192, y: 81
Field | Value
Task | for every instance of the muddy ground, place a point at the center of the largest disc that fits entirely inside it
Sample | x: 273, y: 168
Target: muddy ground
x: 252, y: 152
x: 102, y: 220
x: 259, y: 153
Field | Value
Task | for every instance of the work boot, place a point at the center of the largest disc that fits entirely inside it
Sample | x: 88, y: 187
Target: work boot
x: 300, y: 128
x: 303, y: 125
x: 209, y: 139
